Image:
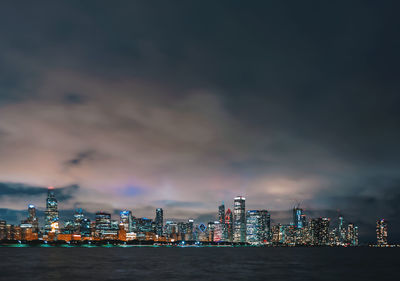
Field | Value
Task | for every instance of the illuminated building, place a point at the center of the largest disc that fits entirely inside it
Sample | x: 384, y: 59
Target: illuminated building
x: 28, y: 234
x: 85, y: 228
x: 298, y: 218
x: 159, y: 220
x: 210, y: 228
x: 103, y: 223
x: 320, y: 231
x: 78, y: 218
x: 181, y: 230
x: 341, y: 230
x: 218, y: 232
x: 257, y: 226
x: 51, y: 213
x: 189, y: 230
x: 69, y: 227
x: 221, y: 219
x: 122, y: 232
x: 278, y: 233
x: 229, y: 225
x: 352, y: 234
x: 381, y: 232
x: 239, y: 224
x: 171, y: 228
x: 144, y: 225
x: 126, y: 220
x: 32, y: 218
x: 3, y: 231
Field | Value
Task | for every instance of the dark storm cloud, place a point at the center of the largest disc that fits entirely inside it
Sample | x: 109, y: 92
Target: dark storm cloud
x: 301, y: 102
x: 17, y: 190
x: 73, y: 98
x: 79, y: 158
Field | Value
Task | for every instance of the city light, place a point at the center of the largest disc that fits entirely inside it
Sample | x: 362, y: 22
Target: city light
x: 240, y: 227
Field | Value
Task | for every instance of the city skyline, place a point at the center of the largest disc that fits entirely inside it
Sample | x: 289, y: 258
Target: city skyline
x: 240, y: 226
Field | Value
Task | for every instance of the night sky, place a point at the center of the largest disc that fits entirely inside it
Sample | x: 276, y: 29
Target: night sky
x: 185, y: 104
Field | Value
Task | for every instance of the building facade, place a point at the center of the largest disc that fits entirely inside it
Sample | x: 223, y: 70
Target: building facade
x: 239, y: 217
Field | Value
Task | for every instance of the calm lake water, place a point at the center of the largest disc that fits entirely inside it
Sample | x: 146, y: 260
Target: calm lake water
x: 147, y: 263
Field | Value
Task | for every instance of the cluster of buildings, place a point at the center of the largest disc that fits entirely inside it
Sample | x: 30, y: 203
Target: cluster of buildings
x: 237, y: 226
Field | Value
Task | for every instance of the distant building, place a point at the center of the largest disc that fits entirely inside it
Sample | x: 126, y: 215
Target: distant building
x: 189, y: 230
x: 299, y: 218
x: 32, y: 218
x: 239, y: 224
x: 218, y: 232
x: 78, y: 218
x: 257, y: 226
x: 229, y: 225
x: 51, y: 213
x: 210, y: 229
x: 381, y: 232
x: 159, y: 220
x: 126, y: 220
x: 144, y: 225
x: 221, y: 219
x: 3, y: 229
x: 103, y: 223
x: 342, y: 235
x: 352, y: 234
x: 320, y: 231
x: 85, y: 228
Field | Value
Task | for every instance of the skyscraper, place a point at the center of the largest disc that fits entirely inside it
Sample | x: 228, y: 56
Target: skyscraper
x: 3, y: 229
x: 221, y: 213
x: 320, y: 231
x: 221, y: 219
x: 78, y: 218
x: 103, y: 223
x: 229, y: 225
x: 32, y: 218
x: 159, y: 220
x: 298, y: 218
x: 341, y: 230
x: 126, y: 220
x: 381, y: 232
x: 218, y: 231
x: 189, y: 230
x: 51, y: 213
x: 257, y: 226
x: 352, y: 234
x: 239, y: 225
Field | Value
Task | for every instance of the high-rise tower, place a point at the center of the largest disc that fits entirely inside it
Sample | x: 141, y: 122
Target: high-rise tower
x: 51, y: 213
x: 239, y: 225
x: 381, y: 232
x: 298, y: 217
x: 32, y: 218
x: 229, y: 225
x: 126, y: 220
x: 221, y: 219
x: 159, y: 221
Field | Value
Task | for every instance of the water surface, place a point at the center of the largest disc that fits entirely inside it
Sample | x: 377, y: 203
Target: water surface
x: 208, y: 263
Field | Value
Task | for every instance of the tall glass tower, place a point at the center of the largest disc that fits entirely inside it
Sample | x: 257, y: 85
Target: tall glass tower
x: 221, y: 219
x: 32, y: 218
x: 239, y: 223
x: 229, y: 225
x: 51, y: 213
x: 298, y: 218
x: 159, y: 221
x: 126, y: 220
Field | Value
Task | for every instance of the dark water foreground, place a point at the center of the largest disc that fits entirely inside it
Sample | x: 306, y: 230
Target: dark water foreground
x: 211, y: 263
